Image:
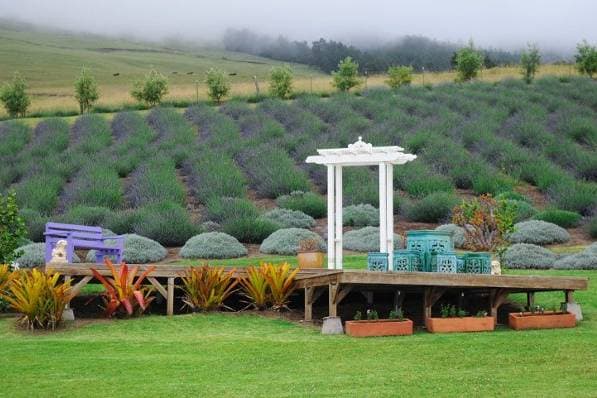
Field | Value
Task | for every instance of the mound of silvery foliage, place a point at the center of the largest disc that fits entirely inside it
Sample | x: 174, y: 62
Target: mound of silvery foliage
x: 366, y: 240
x: 286, y: 241
x: 538, y: 232
x: 287, y: 218
x: 213, y: 245
x: 456, y: 231
x: 137, y: 250
x: 361, y: 215
x: 33, y: 255
x: 526, y: 255
x: 587, y: 259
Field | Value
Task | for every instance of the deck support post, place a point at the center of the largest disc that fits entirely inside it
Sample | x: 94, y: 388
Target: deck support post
x: 170, y: 299
x: 497, y: 298
x: 398, y: 299
x: 368, y: 294
x: 337, y: 294
x: 430, y: 297
x: 569, y: 296
x: 67, y: 278
x: 311, y: 296
x: 530, y: 300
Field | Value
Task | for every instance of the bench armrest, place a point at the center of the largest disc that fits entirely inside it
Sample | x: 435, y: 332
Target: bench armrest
x: 115, y: 237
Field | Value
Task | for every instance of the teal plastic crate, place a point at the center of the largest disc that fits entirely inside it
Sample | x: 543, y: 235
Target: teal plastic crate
x: 444, y: 262
x: 407, y: 260
x: 477, y: 263
x: 377, y: 261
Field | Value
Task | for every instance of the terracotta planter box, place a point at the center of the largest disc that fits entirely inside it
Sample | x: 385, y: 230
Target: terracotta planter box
x: 464, y: 324
x: 310, y: 259
x: 379, y: 327
x: 547, y: 320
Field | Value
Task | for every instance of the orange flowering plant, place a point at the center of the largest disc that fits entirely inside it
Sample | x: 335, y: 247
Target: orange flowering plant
x: 485, y: 220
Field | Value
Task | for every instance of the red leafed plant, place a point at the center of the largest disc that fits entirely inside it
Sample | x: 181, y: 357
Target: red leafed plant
x: 123, y: 293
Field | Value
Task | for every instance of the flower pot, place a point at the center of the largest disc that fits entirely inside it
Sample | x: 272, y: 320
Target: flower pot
x: 310, y: 259
x: 457, y: 324
x: 547, y: 320
x: 379, y: 327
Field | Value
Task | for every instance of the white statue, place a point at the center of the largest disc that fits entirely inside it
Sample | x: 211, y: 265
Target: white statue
x: 496, y: 268
x: 59, y: 252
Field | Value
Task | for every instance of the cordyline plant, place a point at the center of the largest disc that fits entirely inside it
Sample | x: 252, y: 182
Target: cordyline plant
x: 255, y: 287
x: 123, y: 293
x: 6, y: 276
x: 205, y: 288
x: 485, y: 222
x: 38, y: 297
x: 280, y: 279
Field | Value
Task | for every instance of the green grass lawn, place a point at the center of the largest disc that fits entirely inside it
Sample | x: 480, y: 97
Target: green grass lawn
x: 246, y: 355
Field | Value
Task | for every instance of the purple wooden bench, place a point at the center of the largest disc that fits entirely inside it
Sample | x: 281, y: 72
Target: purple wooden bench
x: 82, y: 237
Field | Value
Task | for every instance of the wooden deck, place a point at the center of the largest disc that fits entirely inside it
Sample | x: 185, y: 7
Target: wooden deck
x: 338, y: 283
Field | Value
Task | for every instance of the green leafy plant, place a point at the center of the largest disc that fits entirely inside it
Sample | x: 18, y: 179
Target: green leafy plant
x: 123, y: 294
x: 280, y: 279
x: 481, y: 314
x: 205, y: 288
x: 399, y: 76
x: 372, y: 315
x: 39, y: 298
x: 151, y: 89
x: 255, y: 287
x: 586, y: 59
x: 14, y: 96
x: 529, y: 63
x: 217, y: 85
x: 469, y: 62
x: 346, y: 77
x: 358, y: 316
x: 12, y: 228
x: 86, y: 90
x: 461, y: 313
x: 280, y: 84
x: 396, y: 314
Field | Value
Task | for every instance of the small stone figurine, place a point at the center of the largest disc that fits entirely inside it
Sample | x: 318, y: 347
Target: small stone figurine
x: 59, y: 252
x: 496, y: 268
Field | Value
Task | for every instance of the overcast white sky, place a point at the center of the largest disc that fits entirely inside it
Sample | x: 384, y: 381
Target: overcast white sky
x: 495, y: 23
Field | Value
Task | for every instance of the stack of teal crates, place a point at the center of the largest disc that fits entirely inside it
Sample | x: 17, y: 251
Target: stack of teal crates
x: 431, y: 251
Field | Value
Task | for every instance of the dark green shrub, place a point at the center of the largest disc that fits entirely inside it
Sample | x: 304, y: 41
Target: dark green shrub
x: 167, y: 223
x: 308, y: 202
x: 12, y: 228
x: 563, y: 218
x: 522, y: 210
x: 122, y: 222
x: 86, y: 215
x: 511, y: 195
x: 432, y: 208
x: 491, y: 183
x: 40, y: 192
x: 14, y: 96
x: 223, y: 209
x: 592, y: 227
x: 35, y: 224
x: 152, y: 89
x: 249, y: 230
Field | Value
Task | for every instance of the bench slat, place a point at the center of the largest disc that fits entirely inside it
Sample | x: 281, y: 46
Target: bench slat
x: 72, y: 227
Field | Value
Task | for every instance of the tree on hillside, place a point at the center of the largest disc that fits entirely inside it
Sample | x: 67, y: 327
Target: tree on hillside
x: 217, y: 85
x: 86, y: 91
x: 280, y: 84
x: 12, y: 228
x: 399, y: 76
x: 586, y: 59
x: 14, y: 96
x: 469, y: 62
x: 151, y: 89
x: 529, y: 62
x: 346, y: 77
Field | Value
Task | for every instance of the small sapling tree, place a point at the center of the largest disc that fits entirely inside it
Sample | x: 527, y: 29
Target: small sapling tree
x: 399, y: 76
x: 586, y: 59
x: 12, y: 228
x: 86, y: 91
x: 280, y: 84
x: 468, y: 63
x: 529, y: 62
x: 14, y: 96
x: 151, y: 89
x: 346, y: 77
x: 217, y: 85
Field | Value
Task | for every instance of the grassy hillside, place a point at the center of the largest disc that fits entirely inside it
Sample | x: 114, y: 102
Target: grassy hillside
x: 162, y: 173
x: 51, y: 60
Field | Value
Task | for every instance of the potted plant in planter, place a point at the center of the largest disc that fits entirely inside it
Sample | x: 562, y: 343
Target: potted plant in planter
x: 309, y: 254
x: 395, y: 325
x: 538, y: 318
x: 457, y: 320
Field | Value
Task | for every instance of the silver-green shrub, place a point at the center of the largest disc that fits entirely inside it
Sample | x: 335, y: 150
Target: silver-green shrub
x: 525, y: 255
x: 361, y: 215
x: 538, y: 232
x: 286, y: 241
x: 137, y: 250
x: 522, y: 210
x: 366, y: 240
x: 34, y: 256
x: 587, y: 259
x: 456, y: 231
x: 287, y: 218
x: 213, y: 245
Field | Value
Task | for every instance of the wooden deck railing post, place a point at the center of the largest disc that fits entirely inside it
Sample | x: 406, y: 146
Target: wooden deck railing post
x: 569, y: 296
x: 530, y: 300
x: 333, y: 289
x: 170, y: 299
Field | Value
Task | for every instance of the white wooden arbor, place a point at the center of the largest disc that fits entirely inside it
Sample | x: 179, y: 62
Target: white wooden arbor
x: 360, y: 154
